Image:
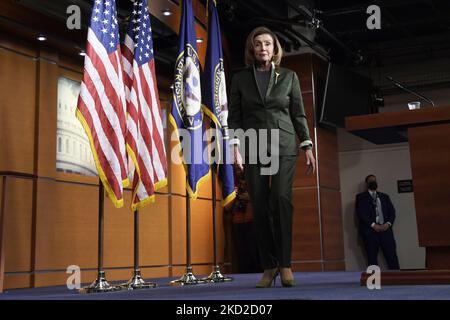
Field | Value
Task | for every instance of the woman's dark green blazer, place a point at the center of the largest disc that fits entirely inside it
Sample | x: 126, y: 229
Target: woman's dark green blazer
x: 281, y: 107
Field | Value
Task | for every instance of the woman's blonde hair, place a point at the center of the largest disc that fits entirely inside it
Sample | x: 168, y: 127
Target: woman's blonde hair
x: 250, y: 46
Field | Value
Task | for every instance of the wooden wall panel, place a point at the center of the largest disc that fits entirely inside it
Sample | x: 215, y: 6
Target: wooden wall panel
x: 300, y: 178
x: 1, y: 193
x: 306, y: 266
x: 332, y: 231
x: 306, y: 224
x: 119, y: 233
x: 334, y: 266
x: 178, y: 229
x: 178, y: 271
x: 154, y: 232
x: 155, y: 272
x: 66, y: 226
x: 323, y: 239
x: 431, y: 177
x: 201, y: 226
x: 47, y: 107
x: 71, y: 64
x: 328, y: 160
x: 202, y: 271
x: 17, y: 111
x: 2, y: 232
x: 437, y: 258
x: 220, y: 233
x: 45, y: 279
x: 18, y: 221
x: 17, y: 281
x: 177, y: 174
x: 303, y: 66
x: 118, y: 240
x: 308, y: 105
x: 201, y: 231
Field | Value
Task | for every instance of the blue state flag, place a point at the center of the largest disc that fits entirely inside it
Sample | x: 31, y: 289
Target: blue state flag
x: 186, y: 115
x: 214, y: 97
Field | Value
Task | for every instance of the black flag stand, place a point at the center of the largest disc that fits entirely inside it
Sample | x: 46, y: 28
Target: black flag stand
x: 188, y: 278
x: 100, y: 284
x: 136, y: 281
x: 215, y: 275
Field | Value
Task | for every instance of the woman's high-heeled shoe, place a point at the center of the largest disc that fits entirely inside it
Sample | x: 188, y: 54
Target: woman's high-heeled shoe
x: 265, y: 283
x: 287, y: 282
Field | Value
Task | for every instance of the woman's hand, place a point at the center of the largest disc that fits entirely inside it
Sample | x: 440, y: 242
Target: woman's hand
x: 310, y: 162
x: 236, y: 156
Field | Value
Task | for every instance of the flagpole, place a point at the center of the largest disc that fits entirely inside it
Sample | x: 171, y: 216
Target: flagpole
x: 188, y: 278
x: 100, y: 284
x: 216, y: 275
x: 136, y: 281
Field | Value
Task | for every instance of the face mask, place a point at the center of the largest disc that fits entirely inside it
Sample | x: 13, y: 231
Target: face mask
x: 372, y: 185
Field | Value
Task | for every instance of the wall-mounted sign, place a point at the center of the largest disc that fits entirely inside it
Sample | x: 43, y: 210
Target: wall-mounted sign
x: 404, y: 186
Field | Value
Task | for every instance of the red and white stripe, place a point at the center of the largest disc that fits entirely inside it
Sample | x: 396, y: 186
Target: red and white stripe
x: 101, y: 105
x: 145, y: 135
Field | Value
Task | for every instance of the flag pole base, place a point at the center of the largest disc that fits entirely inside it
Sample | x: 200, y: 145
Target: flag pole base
x: 187, y: 279
x: 216, y: 276
x: 136, y: 282
x: 99, y: 285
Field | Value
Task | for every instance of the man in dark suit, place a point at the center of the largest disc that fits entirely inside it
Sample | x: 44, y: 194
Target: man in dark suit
x: 376, y: 216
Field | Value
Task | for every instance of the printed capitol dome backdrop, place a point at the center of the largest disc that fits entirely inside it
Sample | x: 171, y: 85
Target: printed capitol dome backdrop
x: 73, y: 154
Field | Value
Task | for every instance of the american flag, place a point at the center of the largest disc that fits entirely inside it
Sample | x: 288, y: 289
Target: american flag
x: 101, y: 104
x: 145, y: 137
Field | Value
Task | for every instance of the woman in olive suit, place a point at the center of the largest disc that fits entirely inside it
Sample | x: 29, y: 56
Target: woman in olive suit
x: 266, y: 96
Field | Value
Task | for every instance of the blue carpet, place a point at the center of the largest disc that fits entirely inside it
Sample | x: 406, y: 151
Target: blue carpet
x: 309, y: 286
